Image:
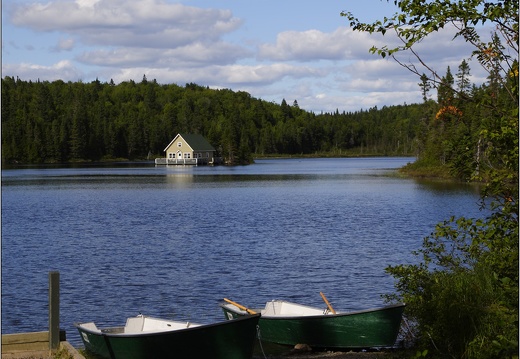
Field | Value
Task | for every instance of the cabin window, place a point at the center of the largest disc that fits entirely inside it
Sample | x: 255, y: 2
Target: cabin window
x: 171, y: 155
x: 187, y: 155
x: 207, y: 154
x: 179, y: 144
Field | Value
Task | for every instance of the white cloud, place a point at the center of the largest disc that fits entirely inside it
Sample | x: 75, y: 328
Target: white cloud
x: 192, y: 55
x: 64, y: 70
x: 139, y: 23
x: 238, y: 77
x: 311, y: 45
x: 375, y: 68
x: 268, y: 73
x: 65, y: 45
x: 86, y: 3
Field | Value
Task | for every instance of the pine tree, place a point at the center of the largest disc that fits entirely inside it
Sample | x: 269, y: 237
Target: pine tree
x: 463, y: 80
x: 425, y: 87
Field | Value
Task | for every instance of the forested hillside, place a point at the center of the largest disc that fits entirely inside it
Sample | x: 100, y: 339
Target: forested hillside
x: 45, y: 122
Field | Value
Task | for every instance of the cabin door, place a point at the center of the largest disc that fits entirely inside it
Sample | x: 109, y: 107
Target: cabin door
x: 179, y: 154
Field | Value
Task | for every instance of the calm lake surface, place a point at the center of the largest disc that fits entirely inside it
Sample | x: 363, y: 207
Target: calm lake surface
x: 173, y: 241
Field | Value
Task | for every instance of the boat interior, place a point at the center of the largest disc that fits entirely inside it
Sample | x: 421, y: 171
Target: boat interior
x: 142, y: 324
x: 288, y: 309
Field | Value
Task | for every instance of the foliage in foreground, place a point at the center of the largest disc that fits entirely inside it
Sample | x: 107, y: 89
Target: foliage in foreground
x: 462, y: 296
x: 462, y: 288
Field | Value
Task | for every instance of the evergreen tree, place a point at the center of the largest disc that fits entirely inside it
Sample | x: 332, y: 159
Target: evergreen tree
x: 425, y: 87
x: 445, y: 92
x: 463, y: 80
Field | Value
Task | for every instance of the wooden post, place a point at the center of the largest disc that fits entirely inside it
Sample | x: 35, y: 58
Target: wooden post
x: 54, y: 310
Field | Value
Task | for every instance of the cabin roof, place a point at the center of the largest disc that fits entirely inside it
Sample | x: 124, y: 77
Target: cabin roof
x: 195, y: 141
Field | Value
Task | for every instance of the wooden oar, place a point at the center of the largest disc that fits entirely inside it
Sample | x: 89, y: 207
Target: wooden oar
x: 250, y: 311
x: 328, y: 304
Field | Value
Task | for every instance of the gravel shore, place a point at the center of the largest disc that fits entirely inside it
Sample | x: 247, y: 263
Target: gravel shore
x: 332, y: 355
x: 307, y: 353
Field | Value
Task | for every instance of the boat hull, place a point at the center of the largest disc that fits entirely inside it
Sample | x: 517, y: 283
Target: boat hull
x: 227, y: 340
x: 355, y: 330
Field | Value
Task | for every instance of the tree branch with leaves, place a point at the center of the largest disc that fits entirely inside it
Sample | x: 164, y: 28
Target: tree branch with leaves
x: 418, y: 19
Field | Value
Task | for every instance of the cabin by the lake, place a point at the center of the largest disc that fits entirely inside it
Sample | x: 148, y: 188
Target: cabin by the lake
x: 188, y: 149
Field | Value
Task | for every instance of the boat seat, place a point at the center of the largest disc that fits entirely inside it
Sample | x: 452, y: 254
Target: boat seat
x: 91, y: 326
x: 272, y: 308
x: 134, y: 325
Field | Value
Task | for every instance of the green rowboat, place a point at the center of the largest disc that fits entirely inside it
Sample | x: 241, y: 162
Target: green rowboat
x: 145, y: 337
x: 287, y: 323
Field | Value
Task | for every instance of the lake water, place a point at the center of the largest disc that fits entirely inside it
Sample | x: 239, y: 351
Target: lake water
x: 173, y: 242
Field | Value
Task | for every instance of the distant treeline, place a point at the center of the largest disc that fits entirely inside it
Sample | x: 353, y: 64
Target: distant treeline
x: 50, y: 122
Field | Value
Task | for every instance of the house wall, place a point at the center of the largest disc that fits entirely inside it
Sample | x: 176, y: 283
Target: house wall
x: 204, y: 155
x: 175, y: 148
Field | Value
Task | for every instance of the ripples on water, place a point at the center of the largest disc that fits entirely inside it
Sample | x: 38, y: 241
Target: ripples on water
x: 173, y: 241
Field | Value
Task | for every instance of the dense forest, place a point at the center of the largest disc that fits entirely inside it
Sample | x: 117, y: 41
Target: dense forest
x: 46, y: 122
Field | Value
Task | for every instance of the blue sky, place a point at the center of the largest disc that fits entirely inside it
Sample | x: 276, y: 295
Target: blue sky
x: 291, y: 49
